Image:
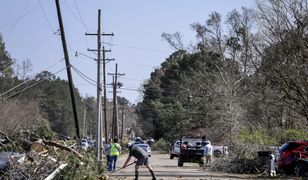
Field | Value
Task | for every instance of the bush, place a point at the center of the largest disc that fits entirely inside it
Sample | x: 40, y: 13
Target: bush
x: 161, y: 145
x: 256, y: 137
x: 44, y: 131
x: 294, y: 134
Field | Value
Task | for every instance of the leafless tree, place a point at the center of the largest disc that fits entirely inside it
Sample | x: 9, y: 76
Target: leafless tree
x: 174, y: 40
x: 19, y: 115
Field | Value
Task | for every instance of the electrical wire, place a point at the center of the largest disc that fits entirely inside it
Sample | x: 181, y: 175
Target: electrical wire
x: 30, y: 78
x: 18, y: 18
x: 27, y: 87
x: 144, y: 65
x: 40, y: 43
x: 84, y: 77
x: 83, y: 74
x: 71, y: 11
x: 129, y: 89
x: 45, y: 17
x: 132, y: 79
x: 139, y: 48
x: 82, y: 21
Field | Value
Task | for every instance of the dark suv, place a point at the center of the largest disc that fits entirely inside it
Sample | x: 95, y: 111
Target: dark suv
x: 290, y: 153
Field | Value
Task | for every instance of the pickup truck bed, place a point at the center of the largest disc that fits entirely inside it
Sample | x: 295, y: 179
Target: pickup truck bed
x: 190, y: 155
x: 190, y: 150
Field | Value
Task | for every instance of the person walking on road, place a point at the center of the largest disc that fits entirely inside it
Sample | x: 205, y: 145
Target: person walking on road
x: 142, y: 159
x: 107, y: 149
x: 115, y: 150
x: 208, y: 152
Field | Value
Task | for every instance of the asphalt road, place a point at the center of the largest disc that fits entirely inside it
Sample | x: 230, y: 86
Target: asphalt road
x: 167, y: 169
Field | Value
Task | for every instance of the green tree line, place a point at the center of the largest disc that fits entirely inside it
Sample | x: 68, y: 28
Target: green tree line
x: 245, y: 79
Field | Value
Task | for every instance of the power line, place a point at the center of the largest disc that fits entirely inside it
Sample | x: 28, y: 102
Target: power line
x: 130, y: 89
x: 132, y: 79
x: 27, y: 87
x: 144, y: 65
x: 71, y: 11
x: 19, y: 18
x: 139, y: 48
x: 84, y: 77
x: 45, y: 17
x: 41, y: 43
x: 82, y: 21
x: 30, y: 78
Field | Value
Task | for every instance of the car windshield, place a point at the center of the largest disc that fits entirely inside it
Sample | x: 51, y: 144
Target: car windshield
x: 288, y: 146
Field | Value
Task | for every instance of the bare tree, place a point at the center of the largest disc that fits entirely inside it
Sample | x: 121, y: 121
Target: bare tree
x: 285, y: 63
x: 210, y: 35
x: 17, y: 115
x: 243, y: 40
x: 174, y: 40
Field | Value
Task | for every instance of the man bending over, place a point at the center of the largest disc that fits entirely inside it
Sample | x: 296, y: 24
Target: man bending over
x: 142, y: 159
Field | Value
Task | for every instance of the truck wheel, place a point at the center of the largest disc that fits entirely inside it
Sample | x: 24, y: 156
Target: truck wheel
x: 171, y: 156
x: 217, y: 153
x: 180, y: 162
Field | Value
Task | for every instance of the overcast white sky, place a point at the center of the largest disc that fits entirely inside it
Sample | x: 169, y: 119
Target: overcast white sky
x: 28, y: 28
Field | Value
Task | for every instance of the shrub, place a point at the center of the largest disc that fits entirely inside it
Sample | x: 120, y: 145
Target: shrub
x: 294, y: 134
x: 256, y: 137
x: 161, y: 145
x: 44, y: 131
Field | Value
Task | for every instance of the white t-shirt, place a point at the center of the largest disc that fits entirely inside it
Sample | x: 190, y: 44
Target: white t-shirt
x: 208, y: 150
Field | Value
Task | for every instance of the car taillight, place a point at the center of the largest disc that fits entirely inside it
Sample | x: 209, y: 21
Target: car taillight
x: 283, y: 155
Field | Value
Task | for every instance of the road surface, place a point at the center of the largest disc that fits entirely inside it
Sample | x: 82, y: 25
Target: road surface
x: 167, y: 169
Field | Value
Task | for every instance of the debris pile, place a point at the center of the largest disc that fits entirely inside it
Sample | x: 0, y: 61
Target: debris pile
x: 240, y: 166
x: 30, y: 157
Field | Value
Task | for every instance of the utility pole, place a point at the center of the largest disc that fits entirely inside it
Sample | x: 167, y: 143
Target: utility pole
x: 84, y: 122
x: 122, y: 124
x: 68, y: 69
x: 115, y: 129
x: 99, y: 144
x: 105, y: 91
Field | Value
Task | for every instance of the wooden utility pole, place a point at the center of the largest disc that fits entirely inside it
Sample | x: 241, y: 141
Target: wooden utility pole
x: 115, y: 128
x: 122, y: 124
x: 115, y: 110
x: 84, y: 123
x: 105, y: 91
x: 99, y: 124
x: 68, y: 69
x: 99, y: 145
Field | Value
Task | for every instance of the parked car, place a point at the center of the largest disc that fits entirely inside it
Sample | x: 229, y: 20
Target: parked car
x: 219, y: 151
x: 91, y: 143
x: 289, y: 155
x: 175, y: 149
x: 84, y: 144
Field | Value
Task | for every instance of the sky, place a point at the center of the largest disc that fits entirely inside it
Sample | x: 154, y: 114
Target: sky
x: 29, y: 30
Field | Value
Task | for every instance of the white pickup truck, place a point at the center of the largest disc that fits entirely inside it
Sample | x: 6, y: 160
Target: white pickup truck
x: 218, y: 151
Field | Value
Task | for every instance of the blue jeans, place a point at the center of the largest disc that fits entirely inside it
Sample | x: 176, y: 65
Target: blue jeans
x: 113, y: 161
x: 109, y: 166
